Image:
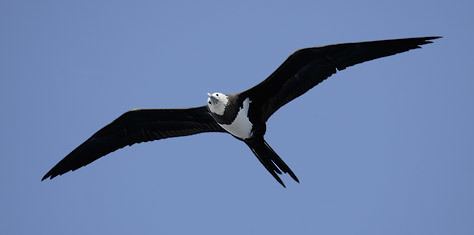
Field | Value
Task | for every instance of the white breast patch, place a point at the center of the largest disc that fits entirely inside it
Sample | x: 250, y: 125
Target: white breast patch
x: 241, y: 126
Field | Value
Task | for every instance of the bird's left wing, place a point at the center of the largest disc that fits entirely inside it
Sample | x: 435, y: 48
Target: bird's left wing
x: 135, y: 127
x: 307, y: 67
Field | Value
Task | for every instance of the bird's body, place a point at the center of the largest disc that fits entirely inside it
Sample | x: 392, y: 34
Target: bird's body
x: 243, y: 115
x: 240, y: 125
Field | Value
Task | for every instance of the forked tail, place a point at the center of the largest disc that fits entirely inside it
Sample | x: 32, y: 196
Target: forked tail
x: 270, y: 160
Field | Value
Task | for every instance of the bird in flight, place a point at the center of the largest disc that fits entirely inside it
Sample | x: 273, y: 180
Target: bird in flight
x: 243, y: 115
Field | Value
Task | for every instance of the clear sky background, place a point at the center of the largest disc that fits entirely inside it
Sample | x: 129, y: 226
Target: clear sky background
x: 385, y: 147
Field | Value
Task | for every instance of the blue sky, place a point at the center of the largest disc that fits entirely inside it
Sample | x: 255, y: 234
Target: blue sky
x: 385, y: 147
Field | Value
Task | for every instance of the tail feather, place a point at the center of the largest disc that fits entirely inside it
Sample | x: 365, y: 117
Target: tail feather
x: 270, y: 167
x: 270, y: 160
x: 281, y: 164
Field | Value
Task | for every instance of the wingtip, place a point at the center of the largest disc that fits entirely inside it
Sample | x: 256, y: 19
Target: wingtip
x: 433, y: 37
x: 50, y: 175
x: 428, y: 40
x: 45, y: 177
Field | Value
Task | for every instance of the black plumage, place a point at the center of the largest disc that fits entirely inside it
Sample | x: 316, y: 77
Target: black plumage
x: 307, y: 67
x: 134, y: 127
x: 303, y: 70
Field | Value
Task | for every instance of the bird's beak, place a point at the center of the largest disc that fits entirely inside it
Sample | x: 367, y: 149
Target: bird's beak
x: 213, y: 99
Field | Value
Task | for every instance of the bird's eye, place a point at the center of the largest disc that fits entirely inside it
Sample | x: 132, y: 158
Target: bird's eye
x: 217, y: 94
x: 209, y: 102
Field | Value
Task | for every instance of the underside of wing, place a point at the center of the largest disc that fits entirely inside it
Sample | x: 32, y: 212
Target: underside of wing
x: 307, y: 67
x: 135, y: 127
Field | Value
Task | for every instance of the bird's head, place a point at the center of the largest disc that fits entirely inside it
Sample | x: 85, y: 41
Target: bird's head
x: 217, y: 102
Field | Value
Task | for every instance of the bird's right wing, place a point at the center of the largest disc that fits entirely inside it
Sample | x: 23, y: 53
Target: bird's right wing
x: 135, y: 127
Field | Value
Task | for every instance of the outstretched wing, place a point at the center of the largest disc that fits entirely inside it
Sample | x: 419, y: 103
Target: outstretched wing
x: 307, y: 67
x: 135, y: 127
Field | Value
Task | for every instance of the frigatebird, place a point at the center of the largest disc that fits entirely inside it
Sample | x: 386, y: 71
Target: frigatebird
x: 243, y: 115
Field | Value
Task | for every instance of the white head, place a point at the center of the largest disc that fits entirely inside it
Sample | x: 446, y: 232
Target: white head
x: 217, y: 102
